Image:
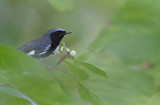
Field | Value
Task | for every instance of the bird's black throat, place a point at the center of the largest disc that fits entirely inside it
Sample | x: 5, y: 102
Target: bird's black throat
x: 55, y: 40
x: 54, y: 44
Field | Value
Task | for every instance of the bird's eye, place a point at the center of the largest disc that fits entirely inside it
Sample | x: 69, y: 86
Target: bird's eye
x: 58, y: 32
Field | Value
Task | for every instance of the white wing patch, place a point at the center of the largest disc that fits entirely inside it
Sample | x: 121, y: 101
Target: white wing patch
x: 42, y: 53
x: 31, y: 53
x: 45, y: 50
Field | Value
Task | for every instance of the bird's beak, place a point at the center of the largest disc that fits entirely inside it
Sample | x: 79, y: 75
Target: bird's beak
x: 66, y: 32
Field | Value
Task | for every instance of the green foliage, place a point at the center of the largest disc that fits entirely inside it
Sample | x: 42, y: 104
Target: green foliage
x: 78, y: 71
x: 127, y: 48
x: 62, y: 5
x: 29, y: 78
x: 10, y: 92
x: 92, y: 68
x: 88, y: 95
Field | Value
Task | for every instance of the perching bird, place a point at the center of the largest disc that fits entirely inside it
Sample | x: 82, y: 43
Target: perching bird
x: 46, y: 45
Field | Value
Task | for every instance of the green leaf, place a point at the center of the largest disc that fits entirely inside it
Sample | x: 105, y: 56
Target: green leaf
x: 132, y: 40
x: 88, y: 95
x: 78, y: 71
x: 15, y: 93
x: 92, y: 68
x: 62, y: 5
x: 154, y: 99
x: 28, y: 76
x: 135, y: 30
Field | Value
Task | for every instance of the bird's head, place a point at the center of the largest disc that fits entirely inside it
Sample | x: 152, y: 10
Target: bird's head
x: 56, y: 34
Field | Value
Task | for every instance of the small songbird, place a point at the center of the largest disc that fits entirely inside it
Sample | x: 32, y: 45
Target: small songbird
x: 46, y: 45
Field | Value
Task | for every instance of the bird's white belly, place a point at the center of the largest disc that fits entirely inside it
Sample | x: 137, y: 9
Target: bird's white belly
x: 56, y: 50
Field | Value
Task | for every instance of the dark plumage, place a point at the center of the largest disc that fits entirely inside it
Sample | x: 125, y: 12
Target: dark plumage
x: 46, y: 45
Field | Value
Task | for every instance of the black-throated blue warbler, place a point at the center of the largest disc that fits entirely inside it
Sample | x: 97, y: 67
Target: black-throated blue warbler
x: 46, y: 45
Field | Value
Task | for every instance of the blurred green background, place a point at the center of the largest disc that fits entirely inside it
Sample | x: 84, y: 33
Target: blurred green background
x: 120, y: 36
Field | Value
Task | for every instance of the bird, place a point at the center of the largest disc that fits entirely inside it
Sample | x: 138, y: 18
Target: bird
x: 46, y: 45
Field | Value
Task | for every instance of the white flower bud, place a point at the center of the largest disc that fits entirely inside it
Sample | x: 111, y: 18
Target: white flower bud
x: 73, y: 53
x: 67, y: 50
x: 62, y: 48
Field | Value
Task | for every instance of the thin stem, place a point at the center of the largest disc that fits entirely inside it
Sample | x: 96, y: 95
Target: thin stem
x: 4, y: 84
x: 59, y: 61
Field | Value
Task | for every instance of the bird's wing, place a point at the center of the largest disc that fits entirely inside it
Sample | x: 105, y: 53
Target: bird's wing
x: 35, y: 47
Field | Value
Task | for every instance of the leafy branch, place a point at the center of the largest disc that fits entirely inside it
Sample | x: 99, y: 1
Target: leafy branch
x: 85, y: 93
x: 64, y: 54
